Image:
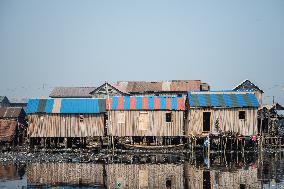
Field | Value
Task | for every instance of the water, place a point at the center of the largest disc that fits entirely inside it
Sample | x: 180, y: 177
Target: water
x: 233, y: 170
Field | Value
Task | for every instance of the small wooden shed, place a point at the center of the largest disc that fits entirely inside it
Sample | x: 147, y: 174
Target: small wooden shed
x: 66, y: 118
x: 145, y: 116
x: 12, y: 125
x: 214, y: 112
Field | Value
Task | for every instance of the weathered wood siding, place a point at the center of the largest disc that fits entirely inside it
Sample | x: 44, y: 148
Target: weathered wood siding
x: 144, y: 176
x: 64, y: 173
x: 228, y: 121
x: 135, y: 123
x: 222, y: 179
x: 65, y: 125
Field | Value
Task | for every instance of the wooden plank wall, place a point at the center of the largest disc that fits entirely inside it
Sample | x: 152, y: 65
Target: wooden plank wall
x: 65, y: 125
x: 228, y: 121
x: 64, y: 173
x: 222, y: 179
x: 157, y: 125
x: 144, y: 175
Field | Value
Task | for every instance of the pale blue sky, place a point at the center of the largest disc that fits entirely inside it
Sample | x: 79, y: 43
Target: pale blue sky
x: 84, y: 43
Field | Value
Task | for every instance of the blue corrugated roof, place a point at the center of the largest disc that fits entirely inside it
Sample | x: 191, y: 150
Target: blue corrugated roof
x: 67, y: 105
x: 226, y: 99
x: 32, y: 105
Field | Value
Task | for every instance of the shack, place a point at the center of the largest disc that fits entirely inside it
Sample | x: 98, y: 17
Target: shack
x: 145, y: 176
x: 67, y: 118
x: 217, y: 112
x: 148, y: 117
x: 12, y: 125
x: 62, y: 174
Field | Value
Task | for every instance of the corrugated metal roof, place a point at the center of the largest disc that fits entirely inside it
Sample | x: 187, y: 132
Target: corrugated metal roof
x: 10, y: 112
x: 67, y: 105
x: 224, y: 99
x: 146, y: 103
x: 72, y: 92
x: 159, y: 86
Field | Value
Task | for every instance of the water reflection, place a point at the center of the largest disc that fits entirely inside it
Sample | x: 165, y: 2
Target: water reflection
x: 248, y: 170
x: 13, y: 175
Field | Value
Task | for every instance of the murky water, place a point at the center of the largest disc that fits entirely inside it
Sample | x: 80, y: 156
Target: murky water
x: 249, y: 170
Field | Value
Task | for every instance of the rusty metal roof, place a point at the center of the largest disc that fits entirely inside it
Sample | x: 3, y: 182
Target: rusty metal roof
x: 7, y: 130
x: 159, y: 86
x: 72, y: 92
x: 11, y: 112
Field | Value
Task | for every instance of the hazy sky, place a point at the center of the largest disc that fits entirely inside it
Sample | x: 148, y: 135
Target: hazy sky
x: 84, y: 43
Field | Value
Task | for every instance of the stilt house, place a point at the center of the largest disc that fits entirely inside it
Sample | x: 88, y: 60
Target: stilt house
x: 221, y: 111
x: 145, y: 116
x: 68, y: 117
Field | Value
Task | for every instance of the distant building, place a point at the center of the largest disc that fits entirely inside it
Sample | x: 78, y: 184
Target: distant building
x: 247, y: 85
x: 160, y: 88
x: 130, y: 88
x: 108, y: 89
x: 4, y: 102
x: 72, y: 92
x: 19, y: 102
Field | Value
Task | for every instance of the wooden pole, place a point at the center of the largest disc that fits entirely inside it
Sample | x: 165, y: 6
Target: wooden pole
x: 208, y: 153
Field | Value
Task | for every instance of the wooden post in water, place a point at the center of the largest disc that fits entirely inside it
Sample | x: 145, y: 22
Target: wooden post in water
x: 237, y: 143
x: 208, y: 150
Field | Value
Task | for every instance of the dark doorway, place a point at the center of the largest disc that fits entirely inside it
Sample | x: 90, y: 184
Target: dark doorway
x: 206, y: 180
x: 206, y: 121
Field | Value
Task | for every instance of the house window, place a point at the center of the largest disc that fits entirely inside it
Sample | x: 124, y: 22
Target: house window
x: 121, y: 117
x: 206, y: 121
x: 81, y: 118
x: 242, y: 115
x: 143, y: 121
x: 168, y: 117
